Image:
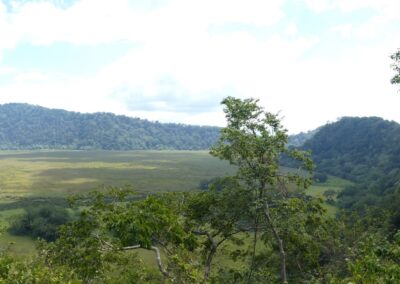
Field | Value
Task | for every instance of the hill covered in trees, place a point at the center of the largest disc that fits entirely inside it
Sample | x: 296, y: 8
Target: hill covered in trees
x: 356, y: 148
x: 367, y: 151
x: 24, y: 126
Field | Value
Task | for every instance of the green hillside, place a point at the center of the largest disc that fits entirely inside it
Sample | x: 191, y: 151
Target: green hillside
x: 24, y: 126
x: 366, y: 151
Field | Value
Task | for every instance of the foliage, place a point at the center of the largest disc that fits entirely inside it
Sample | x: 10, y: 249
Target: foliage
x: 376, y: 260
x: 396, y: 67
x: 34, y: 270
x: 40, y: 222
x: 356, y: 148
x: 24, y: 126
x: 286, y: 220
x: 366, y: 151
x: 114, y: 222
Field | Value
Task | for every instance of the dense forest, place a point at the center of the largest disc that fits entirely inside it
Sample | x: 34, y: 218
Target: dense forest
x: 366, y: 151
x: 24, y: 126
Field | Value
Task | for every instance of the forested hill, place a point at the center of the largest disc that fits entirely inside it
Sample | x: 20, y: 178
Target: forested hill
x: 353, y: 147
x: 365, y: 150
x: 24, y: 126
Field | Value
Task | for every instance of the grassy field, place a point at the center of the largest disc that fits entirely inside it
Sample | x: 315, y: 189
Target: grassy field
x: 28, y: 177
x: 59, y: 173
x: 334, y: 183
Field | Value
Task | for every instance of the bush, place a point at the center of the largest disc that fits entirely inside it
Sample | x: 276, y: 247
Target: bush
x: 40, y: 222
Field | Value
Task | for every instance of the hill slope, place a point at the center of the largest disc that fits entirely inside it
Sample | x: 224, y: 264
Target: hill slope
x: 367, y: 151
x: 24, y: 126
x: 354, y: 147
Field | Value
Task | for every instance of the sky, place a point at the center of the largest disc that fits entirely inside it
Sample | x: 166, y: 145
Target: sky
x: 310, y: 61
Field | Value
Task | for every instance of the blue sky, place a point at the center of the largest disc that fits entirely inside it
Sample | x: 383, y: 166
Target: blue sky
x: 312, y: 61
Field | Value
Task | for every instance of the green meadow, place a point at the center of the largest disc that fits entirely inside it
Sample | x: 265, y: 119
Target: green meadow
x: 333, y: 183
x: 60, y: 173
x: 31, y: 177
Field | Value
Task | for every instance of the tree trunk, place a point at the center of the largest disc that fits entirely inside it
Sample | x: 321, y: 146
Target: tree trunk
x: 279, y: 241
x: 207, y: 270
x: 213, y: 249
x: 253, y: 257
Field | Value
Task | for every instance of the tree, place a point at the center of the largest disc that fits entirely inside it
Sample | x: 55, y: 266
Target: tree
x: 114, y: 222
x: 218, y: 215
x: 255, y: 141
x: 396, y: 67
x: 41, y: 222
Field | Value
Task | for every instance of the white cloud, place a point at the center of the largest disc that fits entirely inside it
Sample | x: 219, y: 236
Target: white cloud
x: 174, y: 39
x: 291, y: 29
x: 94, y: 21
x: 346, y: 30
x: 7, y: 37
x: 318, y: 5
x: 389, y: 7
x: 180, y: 71
x: 355, y: 83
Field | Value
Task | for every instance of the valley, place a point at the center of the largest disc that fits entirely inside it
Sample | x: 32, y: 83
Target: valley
x: 328, y: 194
x: 32, y: 178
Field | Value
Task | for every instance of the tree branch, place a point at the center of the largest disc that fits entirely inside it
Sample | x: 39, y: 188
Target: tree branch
x: 158, y: 257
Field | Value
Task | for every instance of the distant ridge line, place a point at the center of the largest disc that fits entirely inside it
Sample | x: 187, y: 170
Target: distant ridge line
x: 25, y: 126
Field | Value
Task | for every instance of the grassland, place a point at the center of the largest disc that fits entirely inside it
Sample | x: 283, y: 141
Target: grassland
x: 333, y: 183
x: 59, y: 173
x: 29, y: 177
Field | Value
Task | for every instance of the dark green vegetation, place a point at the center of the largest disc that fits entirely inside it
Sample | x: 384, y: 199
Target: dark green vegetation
x: 396, y: 67
x: 367, y: 152
x: 40, y: 222
x: 24, y: 126
x: 355, y: 148
x: 252, y: 222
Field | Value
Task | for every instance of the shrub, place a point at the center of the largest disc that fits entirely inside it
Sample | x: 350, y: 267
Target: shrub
x: 40, y: 222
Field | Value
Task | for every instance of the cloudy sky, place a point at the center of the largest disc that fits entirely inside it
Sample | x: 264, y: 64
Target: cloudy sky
x: 174, y: 60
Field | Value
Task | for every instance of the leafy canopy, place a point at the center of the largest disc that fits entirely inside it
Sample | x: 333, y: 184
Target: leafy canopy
x: 396, y: 67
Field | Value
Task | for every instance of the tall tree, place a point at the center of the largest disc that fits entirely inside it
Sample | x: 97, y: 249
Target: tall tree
x: 255, y: 141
